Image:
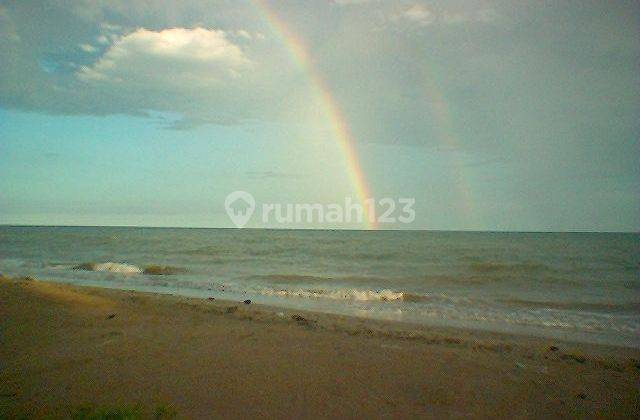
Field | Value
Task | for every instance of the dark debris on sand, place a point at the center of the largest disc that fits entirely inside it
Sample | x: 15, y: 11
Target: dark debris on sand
x: 302, y: 320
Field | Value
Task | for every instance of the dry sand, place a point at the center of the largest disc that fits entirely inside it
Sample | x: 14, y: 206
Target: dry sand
x: 65, y: 349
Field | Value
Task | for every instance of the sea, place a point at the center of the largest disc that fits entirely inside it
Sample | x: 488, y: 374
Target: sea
x: 581, y: 287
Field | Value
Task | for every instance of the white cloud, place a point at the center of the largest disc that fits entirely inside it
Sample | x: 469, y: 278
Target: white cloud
x: 419, y: 14
x: 88, y: 48
x: 188, y: 58
x: 102, y: 39
x: 109, y: 27
x: 244, y: 34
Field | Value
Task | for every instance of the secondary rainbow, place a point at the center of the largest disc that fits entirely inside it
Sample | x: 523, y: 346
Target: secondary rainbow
x: 339, y: 128
x: 446, y: 136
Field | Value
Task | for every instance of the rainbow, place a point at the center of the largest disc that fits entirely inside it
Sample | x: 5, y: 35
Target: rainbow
x: 338, y: 125
x: 447, y: 137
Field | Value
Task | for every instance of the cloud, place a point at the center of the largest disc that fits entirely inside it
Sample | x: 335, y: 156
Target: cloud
x: 197, y: 73
x: 189, y: 58
x: 244, y: 34
x: 110, y: 27
x: 102, y: 39
x: 419, y: 14
x: 422, y: 15
x: 88, y: 48
x: 505, y: 64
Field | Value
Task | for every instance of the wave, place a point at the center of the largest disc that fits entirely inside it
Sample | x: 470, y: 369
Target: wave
x: 493, y: 267
x: 204, y: 251
x: 308, y: 278
x: 289, y: 278
x: 578, y: 306
x: 110, y: 267
x: 113, y: 267
x: 59, y: 266
x: 385, y: 295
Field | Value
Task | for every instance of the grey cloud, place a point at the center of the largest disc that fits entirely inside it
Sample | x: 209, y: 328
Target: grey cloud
x: 537, y: 73
x: 50, y: 50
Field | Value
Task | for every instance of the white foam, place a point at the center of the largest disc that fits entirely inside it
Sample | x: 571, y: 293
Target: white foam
x: 114, y: 267
x: 340, y: 294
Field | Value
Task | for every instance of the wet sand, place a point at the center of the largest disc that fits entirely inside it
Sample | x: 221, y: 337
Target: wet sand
x: 65, y: 349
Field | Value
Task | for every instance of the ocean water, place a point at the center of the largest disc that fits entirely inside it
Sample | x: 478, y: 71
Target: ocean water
x: 575, y: 286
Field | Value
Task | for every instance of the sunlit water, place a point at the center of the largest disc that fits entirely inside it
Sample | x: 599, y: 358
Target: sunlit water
x: 577, y: 286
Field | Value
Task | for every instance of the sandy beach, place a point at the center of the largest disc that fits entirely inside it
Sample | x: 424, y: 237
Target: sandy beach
x: 74, y: 351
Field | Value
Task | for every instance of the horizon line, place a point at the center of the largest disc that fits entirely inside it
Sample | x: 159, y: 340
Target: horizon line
x: 322, y: 229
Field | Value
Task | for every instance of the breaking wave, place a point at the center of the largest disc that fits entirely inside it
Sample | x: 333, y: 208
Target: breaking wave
x: 385, y: 295
x: 304, y: 278
x: 110, y: 267
x: 122, y: 268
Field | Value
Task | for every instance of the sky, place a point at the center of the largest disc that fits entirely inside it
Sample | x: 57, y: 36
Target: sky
x: 492, y: 115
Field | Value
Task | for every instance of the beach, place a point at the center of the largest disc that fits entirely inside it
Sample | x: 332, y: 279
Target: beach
x: 572, y: 287
x: 68, y: 350
x: 319, y: 209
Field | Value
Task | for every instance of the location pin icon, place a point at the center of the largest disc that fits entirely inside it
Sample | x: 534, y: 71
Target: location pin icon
x: 239, y: 206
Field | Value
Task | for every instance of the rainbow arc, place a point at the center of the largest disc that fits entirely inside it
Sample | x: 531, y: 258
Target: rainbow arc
x: 339, y: 128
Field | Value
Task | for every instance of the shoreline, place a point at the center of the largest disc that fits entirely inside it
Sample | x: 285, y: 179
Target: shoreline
x: 354, y: 325
x: 515, y: 331
x: 75, y: 326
